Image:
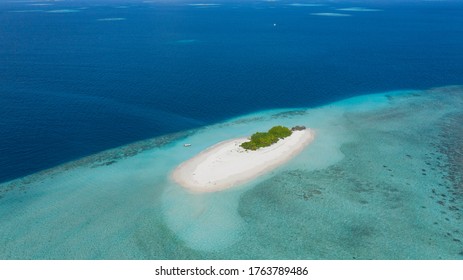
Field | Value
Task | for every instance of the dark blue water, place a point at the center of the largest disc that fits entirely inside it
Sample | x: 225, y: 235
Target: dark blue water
x: 72, y: 85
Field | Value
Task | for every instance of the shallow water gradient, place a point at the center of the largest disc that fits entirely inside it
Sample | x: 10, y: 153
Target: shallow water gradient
x: 382, y: 180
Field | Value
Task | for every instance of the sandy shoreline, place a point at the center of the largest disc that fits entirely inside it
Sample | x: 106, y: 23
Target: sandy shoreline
x: 226, y: 164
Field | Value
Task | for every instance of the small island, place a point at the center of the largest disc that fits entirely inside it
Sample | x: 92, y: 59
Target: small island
x: 237, y: 161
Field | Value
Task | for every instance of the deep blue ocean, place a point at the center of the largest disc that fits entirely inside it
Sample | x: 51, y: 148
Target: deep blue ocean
x: 79, y: 77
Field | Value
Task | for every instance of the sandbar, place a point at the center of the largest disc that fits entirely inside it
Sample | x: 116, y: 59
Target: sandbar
x: 227, y: 164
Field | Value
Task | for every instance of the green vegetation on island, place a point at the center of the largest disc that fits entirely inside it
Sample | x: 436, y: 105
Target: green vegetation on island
x: 265, y: 139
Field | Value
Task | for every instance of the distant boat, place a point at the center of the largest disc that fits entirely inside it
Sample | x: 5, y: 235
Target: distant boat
x: 186, y: 145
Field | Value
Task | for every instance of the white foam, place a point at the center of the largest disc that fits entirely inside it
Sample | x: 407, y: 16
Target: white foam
x: 204, y: 5
x: 40, y: 4
x: 26, y: 11
x: 331, y: 14
x: 111, y: 19
x: 358, y: 9
x: 63, y: 11
x: 305, y: 5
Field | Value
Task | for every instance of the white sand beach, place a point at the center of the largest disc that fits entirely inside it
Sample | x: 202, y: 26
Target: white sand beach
x: 226, y: 164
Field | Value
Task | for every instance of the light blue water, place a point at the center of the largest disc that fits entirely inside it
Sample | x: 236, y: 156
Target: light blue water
x: 382, y: 180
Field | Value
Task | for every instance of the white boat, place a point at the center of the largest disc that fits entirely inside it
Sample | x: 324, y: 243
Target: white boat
x: 186, y: 145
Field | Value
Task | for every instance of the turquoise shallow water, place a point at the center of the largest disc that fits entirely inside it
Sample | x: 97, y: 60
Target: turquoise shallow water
x: 382, y: 180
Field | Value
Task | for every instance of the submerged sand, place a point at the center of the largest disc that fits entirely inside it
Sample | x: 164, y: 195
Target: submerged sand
x: 226, y: 164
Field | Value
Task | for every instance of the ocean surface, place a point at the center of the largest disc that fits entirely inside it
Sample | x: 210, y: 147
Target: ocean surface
x: 98, y: 97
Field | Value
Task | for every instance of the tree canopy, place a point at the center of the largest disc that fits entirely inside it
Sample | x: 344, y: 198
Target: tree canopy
x: 265, y: 139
